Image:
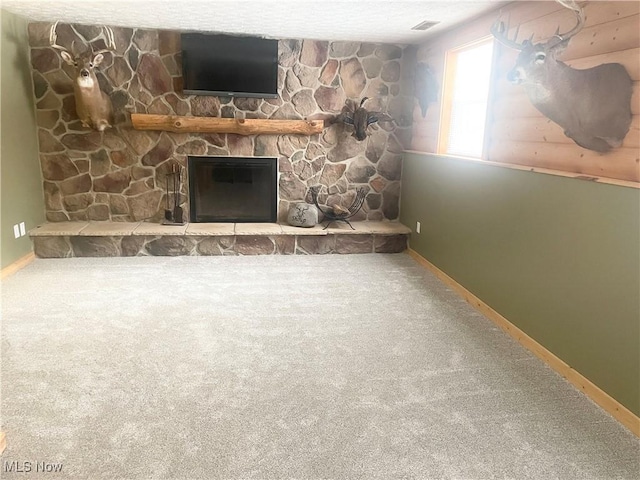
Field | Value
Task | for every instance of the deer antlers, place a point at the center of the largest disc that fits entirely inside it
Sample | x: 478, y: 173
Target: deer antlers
x: 109, y: 40
x: 498, y: 29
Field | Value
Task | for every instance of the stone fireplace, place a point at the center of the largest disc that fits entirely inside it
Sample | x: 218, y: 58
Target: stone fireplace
x: 232, y: 189
x: 120, y: 175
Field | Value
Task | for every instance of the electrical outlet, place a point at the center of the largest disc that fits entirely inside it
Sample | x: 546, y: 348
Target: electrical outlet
x: 23, y: 229
x: 16, y: 231
x: 417, y: 227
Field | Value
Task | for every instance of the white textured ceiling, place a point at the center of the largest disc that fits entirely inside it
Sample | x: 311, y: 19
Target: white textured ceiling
x: 386, y: 21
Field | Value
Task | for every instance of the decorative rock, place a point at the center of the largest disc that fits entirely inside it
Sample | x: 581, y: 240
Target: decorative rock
x: 52, y: 197
x: 378, y: 184
x: 353, y: 78
x: 159, y: 107
x: 266, y: 145
x: 347, y: 147
x: 113, y: 140
x: 84, y: 142
x: 288, y: 52
x: 57, y: 217
x: 114, y: 182
x: 98, y: 212
x: 328, y: 73
x: 132, y: 245
x: 153, y: 74
x: 82, y: 164
x: 390, y: 201
x: 240, y: 145
x: 100, y: 163
x: 308, y: 76
x: 376, y: 145
x: 354, y: 244
x: 161, y: 152
x: 138, y: 172
x: 312, y: 244
x: 171, y: 245
x: 94, y: 246
x: 48, y: 144
x: 374, y: 200
x: 285, y: 244
x: 51, y: 247
x: 145, y: 205
x: 250, y: 104
x: 344, y: 49
x: 44, y: 59
x: 180, y: 107
x: 168, y: 42
x: 391, y: 72
x: 49, y: 102
x: 331, y: 173
x: 75, y: 185
x: 304, y: 103
x: 118, y: 205
x: 119, y: 73
x: 388, y: 52
x: 372, y: 67
x: 136, y: 188
x: 146, y: 40
x: 360, y: 171
x: 139, y: 141
x: 40, y: 85
x: 254, y: 245
x: 366, y: 49
x: 205, y: 106
x: 302, y: 214
x: 291, y: 188
x: 209, y: 246
x: 314, y: 53
x: 123, y: 158
x: 193, y: 147
x: 390, y: 243
x: 390, y: 166
x: 59, y: 82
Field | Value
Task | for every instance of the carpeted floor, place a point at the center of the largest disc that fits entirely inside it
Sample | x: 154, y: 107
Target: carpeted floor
x: 273, y: 367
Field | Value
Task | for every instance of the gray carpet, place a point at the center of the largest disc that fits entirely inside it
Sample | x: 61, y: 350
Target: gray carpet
x: 307, y: 367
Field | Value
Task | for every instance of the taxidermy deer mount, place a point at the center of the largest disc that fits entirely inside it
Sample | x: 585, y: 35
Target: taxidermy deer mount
x: 592, y: 105
x: 425, y: 87
x: 92, y: 105
x: 358, y: 117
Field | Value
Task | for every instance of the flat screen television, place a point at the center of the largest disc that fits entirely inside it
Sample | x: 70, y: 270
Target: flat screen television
x: 229, y: 66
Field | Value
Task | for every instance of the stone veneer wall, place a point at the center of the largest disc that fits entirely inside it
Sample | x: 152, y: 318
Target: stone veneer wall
x: 119, y: 175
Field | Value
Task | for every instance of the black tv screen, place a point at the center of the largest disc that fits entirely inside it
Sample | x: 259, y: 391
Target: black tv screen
x: 226, y: 65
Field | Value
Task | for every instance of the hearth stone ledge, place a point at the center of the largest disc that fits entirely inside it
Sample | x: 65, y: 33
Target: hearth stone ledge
x: 115, y: 239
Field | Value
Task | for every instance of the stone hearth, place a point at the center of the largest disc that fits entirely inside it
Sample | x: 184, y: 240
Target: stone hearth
x: 127, y: 239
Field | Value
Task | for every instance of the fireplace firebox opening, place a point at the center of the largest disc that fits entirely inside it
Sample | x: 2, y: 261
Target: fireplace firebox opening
x: 233, y: 189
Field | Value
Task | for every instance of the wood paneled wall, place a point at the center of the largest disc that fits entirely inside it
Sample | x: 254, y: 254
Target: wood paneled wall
x: 518, y: 133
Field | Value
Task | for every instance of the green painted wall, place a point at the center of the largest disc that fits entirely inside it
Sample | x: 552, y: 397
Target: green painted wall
x: 558, y: 257
x: 21, y: 196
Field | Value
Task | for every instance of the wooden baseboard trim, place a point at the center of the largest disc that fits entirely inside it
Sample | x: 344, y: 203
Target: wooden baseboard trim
x: 3, y: 442
x: 18, y: 265
x: 621, y: 413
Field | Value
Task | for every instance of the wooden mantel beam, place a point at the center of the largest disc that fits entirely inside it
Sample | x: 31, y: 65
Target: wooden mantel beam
x: 239, y: 126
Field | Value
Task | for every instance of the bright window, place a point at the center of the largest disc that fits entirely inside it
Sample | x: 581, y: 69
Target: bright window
x: 466, y: 93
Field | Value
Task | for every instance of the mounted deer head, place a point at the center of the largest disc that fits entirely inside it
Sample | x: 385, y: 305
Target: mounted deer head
x: 593, y: 105
x: 92, y: 105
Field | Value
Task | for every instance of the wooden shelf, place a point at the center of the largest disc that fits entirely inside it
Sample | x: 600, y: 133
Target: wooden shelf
x: 239, y: 126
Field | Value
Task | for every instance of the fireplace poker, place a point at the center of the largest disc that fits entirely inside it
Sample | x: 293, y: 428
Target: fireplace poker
x: 177, y: 210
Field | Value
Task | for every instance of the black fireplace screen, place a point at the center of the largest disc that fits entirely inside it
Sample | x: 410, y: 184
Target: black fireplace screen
x: 232, y: 189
